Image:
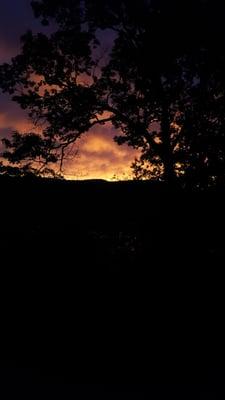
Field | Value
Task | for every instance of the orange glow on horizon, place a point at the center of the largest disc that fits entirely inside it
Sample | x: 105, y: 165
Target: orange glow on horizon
x: 99, y: 157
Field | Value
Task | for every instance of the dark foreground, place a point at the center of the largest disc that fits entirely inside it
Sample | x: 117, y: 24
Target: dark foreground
x: 120, y: 226
x: 112, y: 282
x: 29, y: 384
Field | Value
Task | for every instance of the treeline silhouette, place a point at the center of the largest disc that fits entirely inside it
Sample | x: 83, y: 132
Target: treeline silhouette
x: 160, y: 84
x: 121, y: 226
x: 81, y: 259
x: 148, y: 246
x: 28, y: 382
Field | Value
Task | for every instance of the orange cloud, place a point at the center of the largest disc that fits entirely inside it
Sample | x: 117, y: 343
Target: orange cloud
x: 99, y: 157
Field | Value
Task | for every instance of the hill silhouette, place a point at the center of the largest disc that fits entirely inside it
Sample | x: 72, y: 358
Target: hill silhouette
x: 117, y: 281
x: 81, y: 262
x: 110, y: 225
x: 28, y: 382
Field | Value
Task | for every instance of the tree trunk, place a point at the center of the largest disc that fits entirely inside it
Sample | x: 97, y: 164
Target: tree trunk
x: 167, y: 153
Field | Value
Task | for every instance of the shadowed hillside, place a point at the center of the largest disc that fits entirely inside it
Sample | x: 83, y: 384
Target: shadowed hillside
x: 29, y: 382
x: 71, y: 249
x: 114, y: 282
x: 112, y: 226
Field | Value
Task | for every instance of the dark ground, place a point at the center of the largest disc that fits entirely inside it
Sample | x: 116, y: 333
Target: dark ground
x: 109, y: 226
x: 111, y: 282
x: 29, y: 384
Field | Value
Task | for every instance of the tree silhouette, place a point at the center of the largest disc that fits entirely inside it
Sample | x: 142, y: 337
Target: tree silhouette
x: 162, y: 87
x: 54, y: 79
x: 167, y: 92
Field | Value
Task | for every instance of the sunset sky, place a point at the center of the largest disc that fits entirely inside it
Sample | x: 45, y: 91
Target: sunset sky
x: 98, y: 155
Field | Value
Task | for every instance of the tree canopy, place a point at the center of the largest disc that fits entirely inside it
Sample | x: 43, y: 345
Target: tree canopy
x: 162, y: 86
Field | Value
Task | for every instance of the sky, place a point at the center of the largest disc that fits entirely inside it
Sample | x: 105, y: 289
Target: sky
x: 98, y: 156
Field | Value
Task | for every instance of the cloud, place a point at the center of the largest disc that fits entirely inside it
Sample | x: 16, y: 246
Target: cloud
x: 12, y: 118
x: 100, y: 157
x: 16, y: 18
x: 11, y: 115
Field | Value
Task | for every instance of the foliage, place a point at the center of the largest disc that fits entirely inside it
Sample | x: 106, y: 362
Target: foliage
x: 49, y: 79
x: 162, y: 87
x: 168, y: 93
